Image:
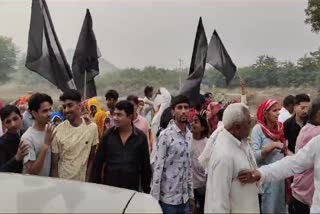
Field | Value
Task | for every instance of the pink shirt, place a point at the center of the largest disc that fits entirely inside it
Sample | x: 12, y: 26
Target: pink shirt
x: 142, y: 124
x: 303, y: 186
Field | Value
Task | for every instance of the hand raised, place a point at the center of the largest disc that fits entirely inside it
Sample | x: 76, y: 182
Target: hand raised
x: 50, y: 134
x: 23, y: 150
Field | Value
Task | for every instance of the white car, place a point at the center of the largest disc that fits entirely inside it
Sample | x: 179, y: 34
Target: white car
x: 35, y: 194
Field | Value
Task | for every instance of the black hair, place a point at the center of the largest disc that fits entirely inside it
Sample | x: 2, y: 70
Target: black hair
x: 37, y: 99
x: 178, y: 100
x: 288, y: 100
x: 220, y: 114
x: 126, y: 106
x: 148, y: 89
x: 164, y: 120
x: 313, y: 110
x: 7, y: 110
x: 71, y: 94
x: 133, y: 98
x: 299, y: 98
x: 112, y: 94
x: 204, y: 124
x: 207, y: 95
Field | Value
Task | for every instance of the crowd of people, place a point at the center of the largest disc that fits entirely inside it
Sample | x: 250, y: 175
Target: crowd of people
x: 208, y: 158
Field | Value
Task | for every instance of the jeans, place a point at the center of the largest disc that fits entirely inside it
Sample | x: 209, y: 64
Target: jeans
x: 175, y: 209
x: 297, y: 207
x: 199, y: 198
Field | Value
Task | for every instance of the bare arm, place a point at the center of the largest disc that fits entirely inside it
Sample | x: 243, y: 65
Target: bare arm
x: 54, y: 165
x: 34, y: 167
x: 90, y: 162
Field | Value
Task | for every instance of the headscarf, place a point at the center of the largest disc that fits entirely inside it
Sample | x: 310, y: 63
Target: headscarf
x: 99, y: 119
x: 276, y: 133
x: 56, y: 114
x: 93, y: 102
x: 213, y: 121
x: 23, y: 100
x: 192, y: 113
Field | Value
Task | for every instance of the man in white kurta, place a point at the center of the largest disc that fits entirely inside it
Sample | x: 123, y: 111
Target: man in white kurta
x: 307, y: 158
x: 230, y: 154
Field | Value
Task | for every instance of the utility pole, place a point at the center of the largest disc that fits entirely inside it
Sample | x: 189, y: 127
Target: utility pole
x: 180, y: 73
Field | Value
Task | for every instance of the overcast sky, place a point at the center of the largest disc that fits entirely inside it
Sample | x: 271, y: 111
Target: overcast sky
x: 132, y: 33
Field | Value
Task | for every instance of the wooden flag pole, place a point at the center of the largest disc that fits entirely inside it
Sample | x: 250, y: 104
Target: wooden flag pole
x: 85, y: 85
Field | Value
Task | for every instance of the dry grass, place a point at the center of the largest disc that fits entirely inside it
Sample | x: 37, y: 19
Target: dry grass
x: 255, y: 96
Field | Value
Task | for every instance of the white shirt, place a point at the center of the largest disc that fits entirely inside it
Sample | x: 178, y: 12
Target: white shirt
x: 308, y: 157
x: 225, y: 194
x: 284, y: 114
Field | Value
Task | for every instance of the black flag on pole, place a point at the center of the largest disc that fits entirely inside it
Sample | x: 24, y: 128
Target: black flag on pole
x: 45, y: 55
x: 191, y: 87
x: 85, y: 60
x: 219, y: 58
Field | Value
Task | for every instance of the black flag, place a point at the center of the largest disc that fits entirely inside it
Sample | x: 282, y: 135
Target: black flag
x: 45, y: 55
x: 219, y: 58
x: 85, y: 60
x: 191, y: 87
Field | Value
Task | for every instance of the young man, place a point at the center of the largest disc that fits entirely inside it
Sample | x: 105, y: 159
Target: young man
x: 149, y: 109
x: 11, y: 150
x: 75, y: 141
x: 122, y: 159
x: 172, y: 178
x: 287, y: 108
x: 112, y: 97
x: 293, y: 125
x: 39, y: 136
x: 139, y: 121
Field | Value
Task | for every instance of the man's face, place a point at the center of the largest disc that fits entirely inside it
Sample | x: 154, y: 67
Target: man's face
x: 93, y: 110
x: 135, y: 106
x: 71, y: 109
x: 301, y: 110
x: 111, y: 103
x: 245, y: 126
x: 150, y: 94
x: 181, y: 112
x: 42, y: 116
x: 13, y: 123
x: 290, y: 108
x: 121, y: 119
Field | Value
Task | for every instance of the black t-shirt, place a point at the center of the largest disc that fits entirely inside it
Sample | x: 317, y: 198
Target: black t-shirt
x: 291, y: 132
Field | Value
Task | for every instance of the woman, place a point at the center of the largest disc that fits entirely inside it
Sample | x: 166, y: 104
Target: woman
x: 212, y: 118
x: 93, y: 107
x: 200, y: 131
x: 100, y: 119
x: 269, y: 144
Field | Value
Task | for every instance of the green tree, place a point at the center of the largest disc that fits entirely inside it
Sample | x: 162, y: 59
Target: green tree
x: 313, y: 15
x: 8, y: 57
x: 266, y: 67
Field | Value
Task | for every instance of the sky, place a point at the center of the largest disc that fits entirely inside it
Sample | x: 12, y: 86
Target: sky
x: 139, y: 33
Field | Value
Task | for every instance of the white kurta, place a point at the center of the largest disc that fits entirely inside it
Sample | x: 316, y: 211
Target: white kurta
x: 225, y: 194
x: 308, y: 157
